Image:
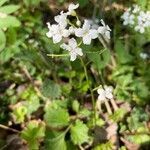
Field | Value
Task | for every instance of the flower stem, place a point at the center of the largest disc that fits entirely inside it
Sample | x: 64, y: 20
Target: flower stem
x: 91, y: 91
x: 57, y: 55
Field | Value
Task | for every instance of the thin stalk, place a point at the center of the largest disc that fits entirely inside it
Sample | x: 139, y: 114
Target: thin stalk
x: 91, y: 91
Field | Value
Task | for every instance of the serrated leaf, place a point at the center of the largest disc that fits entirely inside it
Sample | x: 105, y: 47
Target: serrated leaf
x: 9, y: 21
x: 33, y: 132
x: 9, y: 9
x: 2, y: 40
x: 56, y: 116
x: 79, y: 133
x: 19, y: 114
x: 56, y: 143
x: 51, y: 89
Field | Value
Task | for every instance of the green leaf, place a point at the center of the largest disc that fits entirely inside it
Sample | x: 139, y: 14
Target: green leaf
x: 56, y: 116
x: 56, y: 143
x: 79, y: 133
x: 9, y: 9
x: 100, y: 60
x: 75, y: 106
x: 2, y: 2
x: 83, y: 3
x: 51, y: 89
x: 33, y: 133
x: 19, y: 114
x: 9, y: 21
x: 9, y: 52
x: 2, y: 40
x: 123, y: 55
x: 118, y: 115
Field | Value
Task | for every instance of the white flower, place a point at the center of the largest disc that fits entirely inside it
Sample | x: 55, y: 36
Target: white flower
x: 101, y: 93
x: 128, y: 18
x: 57, y: 32
x: 71, y: 9
x: 140, y: 28
x: 143, y: 56
x: 104, y: 30
x: 136, y: 9
x: 61, y: 19
x: 73, y: 49
x: 108, y: 91
x: 105, y: 93
x: 86, y: 33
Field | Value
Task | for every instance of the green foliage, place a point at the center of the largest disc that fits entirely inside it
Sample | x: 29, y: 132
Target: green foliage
x: 123, y: 55
x: 75, y: 106
x: 56, y: 117
x: 19, y: 114
x: 100, y: 59
x: 51, y: 89
x: 105, y: 146
x: 33, y: 133
x: 118, y: 115
x: 79, y: 133
x: 2, y: 40
x: 56, y: 142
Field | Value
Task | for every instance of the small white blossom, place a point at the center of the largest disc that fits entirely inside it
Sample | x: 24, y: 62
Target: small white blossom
x: 143, y: 56
x: 57, y: 32
x: 136, y: 9
x: 86, y: 33
x: 104, y: 30
x: 73, y: 49
x: 71, y: 9
x: 128, y: 18
x: 105, y: 93
x: 61, y: 19
x: 139, y: 19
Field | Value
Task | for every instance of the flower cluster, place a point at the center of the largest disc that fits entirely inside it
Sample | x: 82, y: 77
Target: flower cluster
x: 63, y: 29
x: 105, y: 93
x: 136, y: 18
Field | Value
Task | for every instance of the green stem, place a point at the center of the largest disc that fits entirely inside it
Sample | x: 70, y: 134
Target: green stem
x: 91, y: 91
x: 57, y: 55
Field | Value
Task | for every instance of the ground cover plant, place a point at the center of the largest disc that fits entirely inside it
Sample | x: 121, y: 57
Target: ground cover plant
x: 74, y: 75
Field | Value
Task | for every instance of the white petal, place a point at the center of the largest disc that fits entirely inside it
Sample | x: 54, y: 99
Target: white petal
x: 48, y: 24
x: 72, y: 7
x: 79, y: 51
x: 108, y: 88
x: 65, y: 46
x: 65, y: 33
x: 73, y: 56
x: 49, y: 34
x: 93, y: 33
x: 87, y: 39
x: 101, y: 30
x: 79, y: 32
x: 102, y: 97
x: 100, y: 91
x: 109, y: 95
x: 102, y: 22
x: 107, y: 34
x: 86, y: 25
x: 57, y: 38
x: 72, y: 43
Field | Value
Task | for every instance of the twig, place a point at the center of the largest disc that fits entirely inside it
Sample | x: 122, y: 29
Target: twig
x: 8, y: 128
